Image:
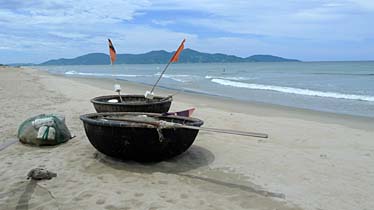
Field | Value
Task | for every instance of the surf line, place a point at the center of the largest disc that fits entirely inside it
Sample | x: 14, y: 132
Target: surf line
x: 291, y: 90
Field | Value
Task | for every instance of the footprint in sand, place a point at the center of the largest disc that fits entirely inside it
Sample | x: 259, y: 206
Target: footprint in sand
x: 27, y: 195
x: 163, y: 182
x: 100, y: 201
x: 138, y: 194
x: 183, y: 196
x: 171, y: 201
x: 83, y: 196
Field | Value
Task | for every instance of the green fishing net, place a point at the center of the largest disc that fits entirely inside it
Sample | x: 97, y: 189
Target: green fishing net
x: 44, y: 129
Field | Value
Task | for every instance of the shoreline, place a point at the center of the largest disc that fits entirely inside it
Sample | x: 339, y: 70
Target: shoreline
x: 233, y: 104
x: 244, y: 87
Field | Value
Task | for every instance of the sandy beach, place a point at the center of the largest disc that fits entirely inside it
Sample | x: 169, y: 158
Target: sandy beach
x: 312, y: 160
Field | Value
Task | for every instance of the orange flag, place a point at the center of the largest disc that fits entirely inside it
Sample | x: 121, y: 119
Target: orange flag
x: 112, y: 52
x: 178, y: 52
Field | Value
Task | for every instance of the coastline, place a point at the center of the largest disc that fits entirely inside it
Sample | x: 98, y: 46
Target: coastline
x: 232, y: 104
x: 321, y: 87
x: 312, y: 160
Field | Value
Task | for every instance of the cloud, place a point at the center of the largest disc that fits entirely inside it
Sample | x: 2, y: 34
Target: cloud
x: 163, y: 22
x: 45, y: 29
x: 307, y: 19
x: 364, y: 4
x: 68, y: 35
x: 71, y: 11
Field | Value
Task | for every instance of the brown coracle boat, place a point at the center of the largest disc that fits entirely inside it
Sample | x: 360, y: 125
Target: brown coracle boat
x: 140, y: 136
x: 132, y: 103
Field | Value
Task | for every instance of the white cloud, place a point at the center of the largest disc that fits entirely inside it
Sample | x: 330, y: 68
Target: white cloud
x: 163, y: 22
x: 289, y: 18
x: 73, y: 11
x: 68, y: 28
x: 68, y: 35
x: 139, y: 39
x: 364, y: 4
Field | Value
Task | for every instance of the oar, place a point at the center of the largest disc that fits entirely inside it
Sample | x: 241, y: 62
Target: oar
x: 228, y: 131
x: 217, y: 130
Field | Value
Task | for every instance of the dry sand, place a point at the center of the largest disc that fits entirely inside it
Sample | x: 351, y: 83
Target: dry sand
x: 312, y: 160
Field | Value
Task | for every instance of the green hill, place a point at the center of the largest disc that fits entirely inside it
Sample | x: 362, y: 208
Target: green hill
x: 162, y: 56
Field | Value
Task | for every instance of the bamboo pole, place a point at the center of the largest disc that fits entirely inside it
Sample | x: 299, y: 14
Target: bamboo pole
x: 115, y: 81
x: 216, y: 130
x: 159, y: 78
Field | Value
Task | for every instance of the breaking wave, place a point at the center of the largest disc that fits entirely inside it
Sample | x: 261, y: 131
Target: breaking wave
x: 291, y: 90
x: 229, y: 78
x: 179, y: 77
x: 103, y: 74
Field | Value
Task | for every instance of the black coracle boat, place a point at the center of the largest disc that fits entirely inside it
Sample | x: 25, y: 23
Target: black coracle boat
x: 140, y: 136
x: 132, y: 103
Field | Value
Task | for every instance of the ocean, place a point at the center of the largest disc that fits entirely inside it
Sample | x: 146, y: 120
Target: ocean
x: 338, y: 87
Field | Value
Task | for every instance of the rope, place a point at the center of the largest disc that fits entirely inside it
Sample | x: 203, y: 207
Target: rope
x: 45, y: 134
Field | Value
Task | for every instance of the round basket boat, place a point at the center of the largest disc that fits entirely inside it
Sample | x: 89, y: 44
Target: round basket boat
x: 139, y: 141
x: 132, y: 103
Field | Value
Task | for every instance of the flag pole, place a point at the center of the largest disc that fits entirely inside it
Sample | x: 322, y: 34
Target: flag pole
x: 112, y: 58
x: 174, y: 58
x: 159, y: 78
x: 117, y: 87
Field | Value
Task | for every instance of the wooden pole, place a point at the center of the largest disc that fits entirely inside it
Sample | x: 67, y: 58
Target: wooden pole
x: 115, y: 81
x: 162, y: 73
x: 217, y: 130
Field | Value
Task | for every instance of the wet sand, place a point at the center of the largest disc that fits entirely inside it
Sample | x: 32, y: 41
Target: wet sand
x: 312, y: 160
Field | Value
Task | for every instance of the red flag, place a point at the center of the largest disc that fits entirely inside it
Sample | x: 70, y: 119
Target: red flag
x: 112, y: 52
x: 178, y: 52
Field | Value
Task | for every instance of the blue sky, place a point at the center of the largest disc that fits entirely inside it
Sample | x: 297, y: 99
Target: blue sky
x: 39, y: 30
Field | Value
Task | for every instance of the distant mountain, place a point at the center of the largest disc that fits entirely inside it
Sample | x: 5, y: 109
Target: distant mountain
x: 268, y: 58
x: 89, y: 59
x: 162, y: 56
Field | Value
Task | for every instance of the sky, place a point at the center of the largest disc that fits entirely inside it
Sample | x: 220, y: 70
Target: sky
x: 315, y: 30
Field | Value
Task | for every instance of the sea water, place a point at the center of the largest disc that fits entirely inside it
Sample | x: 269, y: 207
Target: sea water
x: 339, y: 87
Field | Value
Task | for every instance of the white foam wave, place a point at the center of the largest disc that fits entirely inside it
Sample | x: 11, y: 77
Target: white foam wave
x: 291, y: 90
x: 103, y: 74
x: 229, y: 78
x: 179, y: 77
